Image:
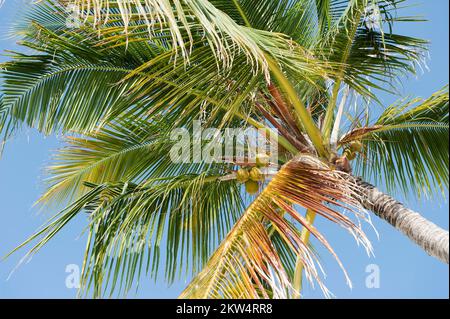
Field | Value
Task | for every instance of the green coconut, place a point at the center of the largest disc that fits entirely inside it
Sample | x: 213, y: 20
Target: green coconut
x: 262, y: 160
x: 256, y: 175
x: 252, y: 187
x: 242, y: 175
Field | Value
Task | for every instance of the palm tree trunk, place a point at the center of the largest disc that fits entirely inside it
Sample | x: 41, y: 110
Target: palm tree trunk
x: 433, y: 239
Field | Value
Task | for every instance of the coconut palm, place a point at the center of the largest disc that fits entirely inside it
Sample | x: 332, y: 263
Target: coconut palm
x: 116, y: 77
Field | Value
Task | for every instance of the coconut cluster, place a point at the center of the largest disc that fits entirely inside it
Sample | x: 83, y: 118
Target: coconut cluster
x: 342, y: 163
x: 253, y: 176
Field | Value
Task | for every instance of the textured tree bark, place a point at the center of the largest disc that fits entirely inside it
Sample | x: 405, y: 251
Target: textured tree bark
x: 433, y: 239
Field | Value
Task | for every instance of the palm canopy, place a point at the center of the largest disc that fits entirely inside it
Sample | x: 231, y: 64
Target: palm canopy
x: 120, y: 79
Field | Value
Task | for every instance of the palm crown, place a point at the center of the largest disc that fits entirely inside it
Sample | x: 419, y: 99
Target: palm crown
x: 122, y: 75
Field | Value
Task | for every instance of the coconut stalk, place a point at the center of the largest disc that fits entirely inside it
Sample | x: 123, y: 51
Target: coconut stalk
x: 305, y: 235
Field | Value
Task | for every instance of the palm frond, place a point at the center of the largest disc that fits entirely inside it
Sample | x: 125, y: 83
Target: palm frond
x: 122, y: 151
x: 408, y: 144
x: 4, y: 122
x: 371, y: 54
x: 182, y: 20
x: 246, y: 264
x: 147, y: 83
x: 129, y: 225
x: 295, y: 19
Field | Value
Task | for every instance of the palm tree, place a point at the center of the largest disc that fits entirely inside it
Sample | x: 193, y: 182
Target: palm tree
x: 122, y: 75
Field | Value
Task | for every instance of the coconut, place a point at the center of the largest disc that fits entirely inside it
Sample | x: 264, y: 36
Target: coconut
x: 262, y: 160
x: 256, y: 175
x: 242, y: 175
x: 252, y: 187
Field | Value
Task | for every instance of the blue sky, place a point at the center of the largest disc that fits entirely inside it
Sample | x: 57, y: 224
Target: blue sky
x: 405, y: 270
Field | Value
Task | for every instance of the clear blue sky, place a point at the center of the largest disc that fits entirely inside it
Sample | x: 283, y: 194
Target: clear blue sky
x: 405, y: 270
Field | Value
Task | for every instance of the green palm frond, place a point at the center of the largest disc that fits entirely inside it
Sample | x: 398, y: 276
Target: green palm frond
x: 408, y: 145
x: 39, y: 93
x: 45, y: 90
x: 146, y: 69
x: 129, y: 225
x: 147, y: 83
x: 372, y: 56
x: 295, y: 19
x: 183, y: 20
x: 119, y: 152
x: 4, y: 120
x: 123, y: 151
